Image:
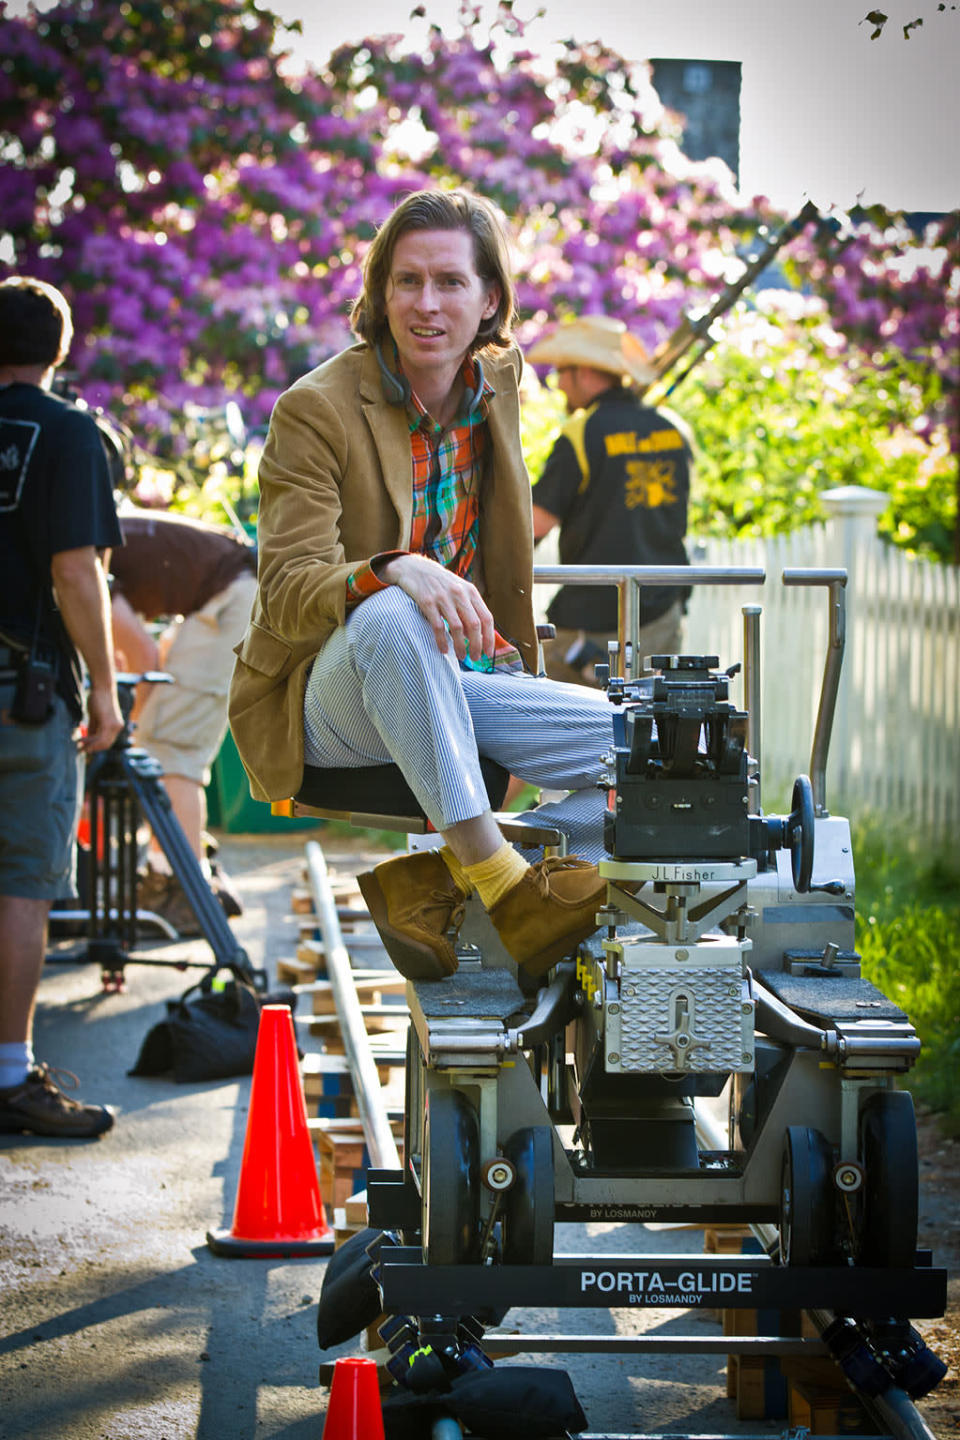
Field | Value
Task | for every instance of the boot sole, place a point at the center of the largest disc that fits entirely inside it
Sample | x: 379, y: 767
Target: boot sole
x: 414, y: 960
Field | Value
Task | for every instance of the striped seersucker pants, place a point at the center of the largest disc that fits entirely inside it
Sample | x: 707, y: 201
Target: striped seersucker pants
x: 380, y: 690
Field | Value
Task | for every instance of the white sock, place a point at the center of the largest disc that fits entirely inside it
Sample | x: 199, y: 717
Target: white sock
x: 16, y: 1062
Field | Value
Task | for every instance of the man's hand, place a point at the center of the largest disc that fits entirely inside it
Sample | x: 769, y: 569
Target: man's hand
x: 442, y: 597
x: 104, y: 721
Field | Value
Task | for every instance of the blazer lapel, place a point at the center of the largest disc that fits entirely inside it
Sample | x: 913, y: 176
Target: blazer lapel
x: 388, y: 426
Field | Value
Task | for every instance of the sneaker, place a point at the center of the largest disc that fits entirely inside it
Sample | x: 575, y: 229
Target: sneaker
x: 39, y: 1107
x: 416, y: 905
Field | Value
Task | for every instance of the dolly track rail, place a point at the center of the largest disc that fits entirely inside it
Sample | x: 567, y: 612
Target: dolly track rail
x: 381, y: 1145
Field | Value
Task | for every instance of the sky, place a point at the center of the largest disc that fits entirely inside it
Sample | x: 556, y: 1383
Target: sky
x: 826, y: 113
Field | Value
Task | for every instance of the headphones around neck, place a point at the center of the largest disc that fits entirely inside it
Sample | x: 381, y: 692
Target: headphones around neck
x: 396, y: 386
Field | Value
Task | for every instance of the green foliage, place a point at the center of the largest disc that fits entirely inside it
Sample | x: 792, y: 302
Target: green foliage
x: 541, y: 416
x: 908, y: 933
x: 784, y: 408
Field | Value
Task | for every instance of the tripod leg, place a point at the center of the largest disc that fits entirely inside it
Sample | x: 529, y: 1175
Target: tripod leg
x: 157, y: 810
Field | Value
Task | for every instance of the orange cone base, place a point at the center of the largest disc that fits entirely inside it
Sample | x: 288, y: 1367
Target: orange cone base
x: 224, y: 1242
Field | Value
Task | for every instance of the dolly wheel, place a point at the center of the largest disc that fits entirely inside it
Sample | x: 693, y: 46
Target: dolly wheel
x: 891, y: 1180
x: 450, y: 1179
x: 528, y: 1206
x: 807, y: 1211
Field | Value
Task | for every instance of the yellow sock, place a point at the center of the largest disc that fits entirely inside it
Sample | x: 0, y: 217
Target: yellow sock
x: 456, y: 869
x: 493, y: 877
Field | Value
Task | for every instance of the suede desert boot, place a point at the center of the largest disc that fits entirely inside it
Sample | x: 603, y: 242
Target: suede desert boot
x: 549, y: 912
x: 415, y: 902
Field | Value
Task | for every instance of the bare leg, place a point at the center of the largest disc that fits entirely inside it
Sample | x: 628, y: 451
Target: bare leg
x: 23, y: 944
x: 474, y: 840
x: 189, y: 803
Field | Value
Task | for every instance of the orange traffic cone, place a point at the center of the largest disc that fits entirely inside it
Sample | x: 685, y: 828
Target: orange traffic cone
x: 278, y: 1211
x: 354, y: 1410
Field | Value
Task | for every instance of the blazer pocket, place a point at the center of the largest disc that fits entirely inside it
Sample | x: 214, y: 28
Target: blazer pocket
x: 264, y: 652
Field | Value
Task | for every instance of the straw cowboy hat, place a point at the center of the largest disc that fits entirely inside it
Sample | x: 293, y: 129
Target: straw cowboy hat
x: 598, y: 342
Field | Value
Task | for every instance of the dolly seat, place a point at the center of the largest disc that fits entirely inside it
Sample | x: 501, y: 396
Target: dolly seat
x: 363, y: 793
x: 377, y: 797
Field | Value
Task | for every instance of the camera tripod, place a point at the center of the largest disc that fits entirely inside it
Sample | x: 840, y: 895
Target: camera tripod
x: 123, y: 785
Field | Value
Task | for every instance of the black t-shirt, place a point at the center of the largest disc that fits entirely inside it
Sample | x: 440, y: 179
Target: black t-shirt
x: 618, y: 480
x: 55, y: 495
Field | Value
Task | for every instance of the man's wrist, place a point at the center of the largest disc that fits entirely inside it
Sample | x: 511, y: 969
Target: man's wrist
x: 380, y: 564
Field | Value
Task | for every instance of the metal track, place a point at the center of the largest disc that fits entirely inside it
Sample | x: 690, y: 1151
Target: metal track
x: 381, y: 1145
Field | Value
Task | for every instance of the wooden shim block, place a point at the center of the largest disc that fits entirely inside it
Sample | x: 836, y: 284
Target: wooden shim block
x: 301, y: 901
x: 313, y: 952
x: 314, y: 1064
x: 342, y: 1161
x: 725, y: 1239
x: 355, y: 1210
x: 822, y: 1402
x: 374, y: 1024
x: 370, y: 991
x: 293, y: 971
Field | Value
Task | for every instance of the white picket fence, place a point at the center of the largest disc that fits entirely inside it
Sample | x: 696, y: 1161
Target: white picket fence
x: 895, y: 748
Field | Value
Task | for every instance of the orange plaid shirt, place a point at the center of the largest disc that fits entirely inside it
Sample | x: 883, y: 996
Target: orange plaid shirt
x: 447, y: 466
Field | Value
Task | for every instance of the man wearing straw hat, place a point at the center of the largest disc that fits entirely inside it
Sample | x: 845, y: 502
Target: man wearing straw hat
x: 617, y: 483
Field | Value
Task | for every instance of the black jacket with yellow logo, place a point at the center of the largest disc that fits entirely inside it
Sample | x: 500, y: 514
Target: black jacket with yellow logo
x: 618, y: 480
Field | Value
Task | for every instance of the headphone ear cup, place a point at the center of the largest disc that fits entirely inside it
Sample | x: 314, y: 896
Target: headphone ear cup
x: 396, y: 388
x: 477, y: 395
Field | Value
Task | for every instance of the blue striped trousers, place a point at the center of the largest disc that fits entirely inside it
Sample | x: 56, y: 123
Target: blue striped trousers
x: 380, y: 690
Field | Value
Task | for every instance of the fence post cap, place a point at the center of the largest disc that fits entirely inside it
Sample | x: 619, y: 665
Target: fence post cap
x: 855, y: 500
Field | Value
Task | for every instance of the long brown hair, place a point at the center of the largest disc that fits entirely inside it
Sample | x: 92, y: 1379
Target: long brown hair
x: 438, y: 210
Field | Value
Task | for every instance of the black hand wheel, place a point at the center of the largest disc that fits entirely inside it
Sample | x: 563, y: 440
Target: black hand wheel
x: 450, y: 1173
x: 801, y: 830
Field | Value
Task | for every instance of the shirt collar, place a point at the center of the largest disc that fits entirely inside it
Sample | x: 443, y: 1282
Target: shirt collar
x: 420, y: 419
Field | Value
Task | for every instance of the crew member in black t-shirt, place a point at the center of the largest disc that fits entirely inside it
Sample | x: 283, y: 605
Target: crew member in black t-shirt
x: 56, y: 519
x: 617, y: 482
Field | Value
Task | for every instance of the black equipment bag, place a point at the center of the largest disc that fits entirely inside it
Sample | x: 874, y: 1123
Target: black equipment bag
x: 515, y: 1402
x: 212, y: 1037
x: 349, y: 1295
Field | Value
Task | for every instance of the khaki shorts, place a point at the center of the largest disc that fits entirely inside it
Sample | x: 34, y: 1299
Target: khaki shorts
x: 40, y: 795
x: 183, y: 724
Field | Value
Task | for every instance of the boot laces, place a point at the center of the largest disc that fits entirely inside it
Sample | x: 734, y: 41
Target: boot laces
x: 545, y: 868
x: 452, y: 910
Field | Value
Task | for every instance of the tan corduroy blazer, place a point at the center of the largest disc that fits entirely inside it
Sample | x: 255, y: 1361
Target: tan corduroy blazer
x: 336, y: 488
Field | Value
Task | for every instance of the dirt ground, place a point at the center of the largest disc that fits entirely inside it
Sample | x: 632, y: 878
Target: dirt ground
x: 940, y: 1231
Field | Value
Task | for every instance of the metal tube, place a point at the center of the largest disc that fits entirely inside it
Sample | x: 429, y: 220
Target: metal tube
x: 835, y: 580
x: 647, y: 575
x: 381, y: 1145
x: 633, y: 666
x: 751, y: 696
